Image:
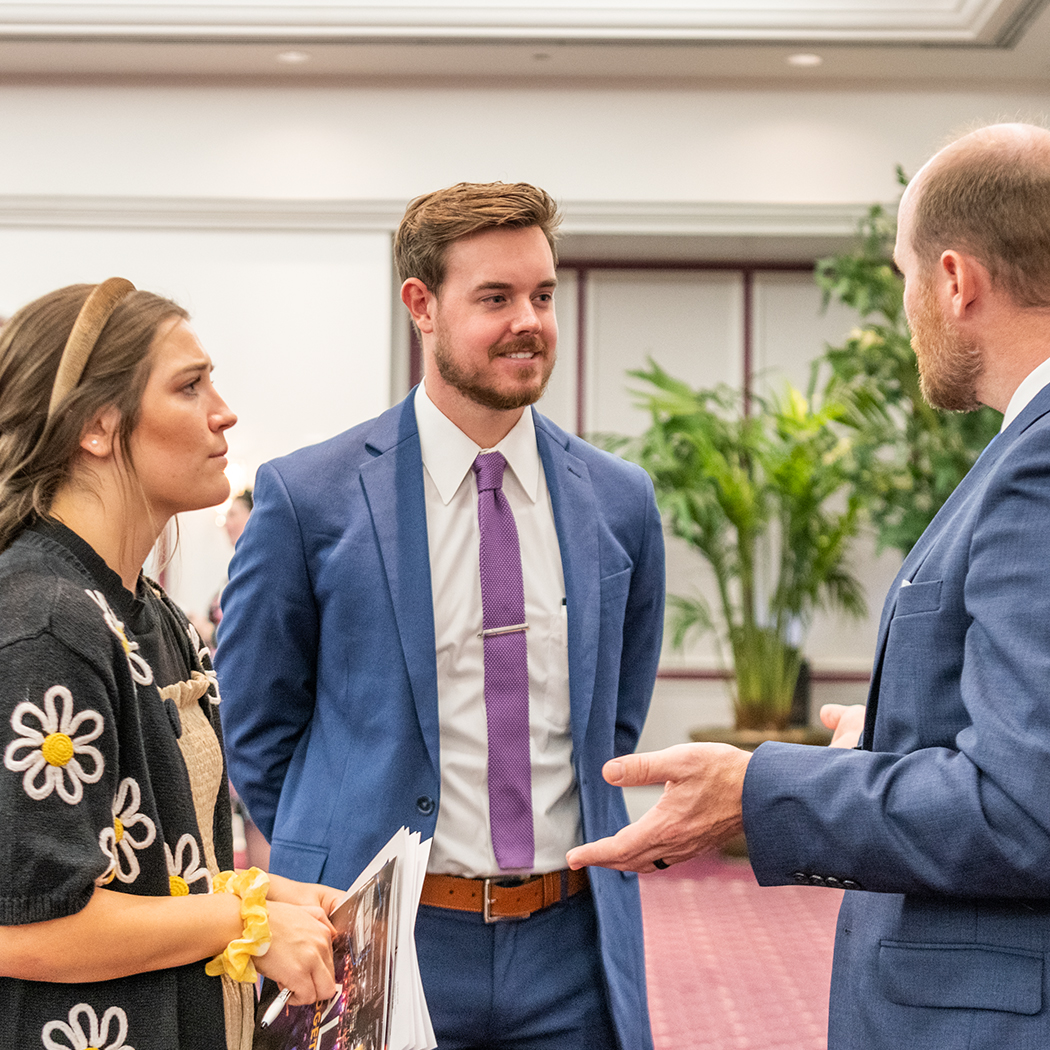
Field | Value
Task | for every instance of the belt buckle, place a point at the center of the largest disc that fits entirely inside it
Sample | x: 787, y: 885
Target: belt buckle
x: 486, y: 905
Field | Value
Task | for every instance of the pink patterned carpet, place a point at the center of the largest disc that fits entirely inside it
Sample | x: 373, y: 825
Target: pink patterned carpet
x: 733, y: 966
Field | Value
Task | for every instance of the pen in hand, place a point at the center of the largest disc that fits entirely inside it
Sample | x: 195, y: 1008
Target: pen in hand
x: 276, y: 1007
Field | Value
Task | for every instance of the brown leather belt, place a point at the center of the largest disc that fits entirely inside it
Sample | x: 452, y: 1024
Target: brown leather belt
x: 496, y: 902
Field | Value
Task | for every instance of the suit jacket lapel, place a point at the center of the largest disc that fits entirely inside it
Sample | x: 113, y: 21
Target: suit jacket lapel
x: 576, y: 522
x: 912, y: 562
x: 393, y: 485
x: 986, y: 464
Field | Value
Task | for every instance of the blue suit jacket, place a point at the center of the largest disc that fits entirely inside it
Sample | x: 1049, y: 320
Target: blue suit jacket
x: 328, y: 668
x: 945, y: 816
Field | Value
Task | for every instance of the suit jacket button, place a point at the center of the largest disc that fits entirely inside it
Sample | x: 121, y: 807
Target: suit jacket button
x: 425, y: 805
x: 832, y: 883
x: 816, y: 880
x: 801, y: 878
x: 849, y: 884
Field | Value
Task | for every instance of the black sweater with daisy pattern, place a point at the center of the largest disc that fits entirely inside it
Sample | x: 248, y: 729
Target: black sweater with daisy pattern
x: 94, y: 790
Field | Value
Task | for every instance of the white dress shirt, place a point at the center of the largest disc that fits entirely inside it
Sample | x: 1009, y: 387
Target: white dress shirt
x: 462, y: 839
x: 1029, y: 387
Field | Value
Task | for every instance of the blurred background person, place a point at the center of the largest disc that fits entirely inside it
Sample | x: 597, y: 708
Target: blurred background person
x: 233, y: 524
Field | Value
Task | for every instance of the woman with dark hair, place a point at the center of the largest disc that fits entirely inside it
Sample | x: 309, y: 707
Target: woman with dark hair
x: 118, y: 928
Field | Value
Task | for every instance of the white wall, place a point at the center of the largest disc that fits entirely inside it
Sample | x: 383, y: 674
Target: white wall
x: 295, y: 304
x: 582, y: 144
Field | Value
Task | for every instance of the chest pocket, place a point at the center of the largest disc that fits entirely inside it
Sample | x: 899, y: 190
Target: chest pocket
x: 918, y: 598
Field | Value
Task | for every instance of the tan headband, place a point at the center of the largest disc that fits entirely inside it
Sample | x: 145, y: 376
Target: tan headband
x: 88, y: 326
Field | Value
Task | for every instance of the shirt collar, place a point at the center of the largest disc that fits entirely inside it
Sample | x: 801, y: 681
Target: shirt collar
x: 448, y: 453
x: 1030, y: 386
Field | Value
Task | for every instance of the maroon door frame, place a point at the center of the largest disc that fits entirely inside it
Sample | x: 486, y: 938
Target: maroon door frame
x: 583, y: 268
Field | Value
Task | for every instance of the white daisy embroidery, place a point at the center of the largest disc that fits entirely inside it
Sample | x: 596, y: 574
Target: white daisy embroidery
x: 204, y: 657
x: 184, y: 866
x: 130, y: 831
x: 140, y: 670
x: 57, y: 750
x: 84, y: 1031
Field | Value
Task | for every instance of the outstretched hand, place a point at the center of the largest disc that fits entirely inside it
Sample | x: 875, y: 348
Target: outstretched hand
x: 700, y: 809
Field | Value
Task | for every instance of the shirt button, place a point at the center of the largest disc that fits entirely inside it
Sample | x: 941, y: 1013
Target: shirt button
x: 425, y: 805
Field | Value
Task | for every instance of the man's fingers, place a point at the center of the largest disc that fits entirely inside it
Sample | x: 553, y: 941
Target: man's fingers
x: 845, y: 721
x: 633, y: 848
x: 630, y: 771
x: 700, y: 806
x: 831, y: 714
x: 649, y: 767
x: 609, y: 852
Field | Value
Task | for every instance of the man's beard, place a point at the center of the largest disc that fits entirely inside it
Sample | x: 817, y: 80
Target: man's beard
x: 472, y: 384
x: 949, y: 364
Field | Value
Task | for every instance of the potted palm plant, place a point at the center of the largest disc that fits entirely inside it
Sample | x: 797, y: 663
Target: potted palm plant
x: 764, y: 497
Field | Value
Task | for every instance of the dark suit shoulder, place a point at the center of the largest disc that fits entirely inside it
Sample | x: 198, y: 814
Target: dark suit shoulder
x: 44, y: 592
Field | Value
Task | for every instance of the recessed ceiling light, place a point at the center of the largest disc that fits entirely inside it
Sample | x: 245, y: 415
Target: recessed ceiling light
x: 293, y: 58
x: 804, y: 60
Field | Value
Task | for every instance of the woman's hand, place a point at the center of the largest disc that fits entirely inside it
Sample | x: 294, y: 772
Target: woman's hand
x: 300, y: 952
x: 305, y: 893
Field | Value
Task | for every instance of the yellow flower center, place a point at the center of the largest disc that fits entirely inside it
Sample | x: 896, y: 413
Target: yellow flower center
x: 179, y: 886
x: 57, y: 749
x: 118, y: 828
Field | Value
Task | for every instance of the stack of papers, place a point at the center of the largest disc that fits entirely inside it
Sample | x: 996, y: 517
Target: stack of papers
x: 380, y: 1003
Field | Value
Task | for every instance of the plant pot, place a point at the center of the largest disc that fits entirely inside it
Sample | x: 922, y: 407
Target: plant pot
x: 749, y: 739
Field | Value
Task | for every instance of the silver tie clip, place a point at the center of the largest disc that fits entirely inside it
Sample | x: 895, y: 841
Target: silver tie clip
x: 491, y: 632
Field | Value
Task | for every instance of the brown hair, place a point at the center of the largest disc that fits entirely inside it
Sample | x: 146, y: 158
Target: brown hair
x: 37, y: 453
x: 435, y: 220
x: 991, y: 199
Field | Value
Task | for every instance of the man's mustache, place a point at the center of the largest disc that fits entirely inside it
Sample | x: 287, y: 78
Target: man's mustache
x: 532, y: 343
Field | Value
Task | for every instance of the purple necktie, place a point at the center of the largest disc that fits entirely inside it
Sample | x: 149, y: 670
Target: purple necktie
x: 506, y: 669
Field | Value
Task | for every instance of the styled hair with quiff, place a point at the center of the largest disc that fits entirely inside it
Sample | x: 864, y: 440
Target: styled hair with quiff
x: 989, y: 196
x: 436, y: 220
x: 37, y: 451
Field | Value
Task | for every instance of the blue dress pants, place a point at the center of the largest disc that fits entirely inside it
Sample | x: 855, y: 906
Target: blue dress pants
x: 528, y: 984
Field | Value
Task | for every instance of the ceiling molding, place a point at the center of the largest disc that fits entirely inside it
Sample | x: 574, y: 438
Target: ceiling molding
x: 165, y: 213
x: 989, y: 23
x: 711, y: 219
x: 608, y: 217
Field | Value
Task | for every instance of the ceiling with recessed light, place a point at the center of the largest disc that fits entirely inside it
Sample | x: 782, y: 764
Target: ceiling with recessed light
x: 963, y: 41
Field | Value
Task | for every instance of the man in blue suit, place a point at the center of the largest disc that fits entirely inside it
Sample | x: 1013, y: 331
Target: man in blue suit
x: 938, y: 825
x: 355, y: 677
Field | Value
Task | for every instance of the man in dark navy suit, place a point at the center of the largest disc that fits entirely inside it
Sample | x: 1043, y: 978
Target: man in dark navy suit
x: 938, y: 825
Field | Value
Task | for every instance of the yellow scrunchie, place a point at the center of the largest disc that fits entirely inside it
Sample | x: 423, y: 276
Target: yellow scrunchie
x: 236, y: 960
